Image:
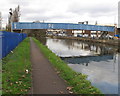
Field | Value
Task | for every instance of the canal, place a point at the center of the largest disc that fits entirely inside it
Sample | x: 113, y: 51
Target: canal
x: 98, y: 61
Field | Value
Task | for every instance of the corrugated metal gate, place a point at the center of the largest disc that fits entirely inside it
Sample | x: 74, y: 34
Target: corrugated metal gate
x: 8, y: 41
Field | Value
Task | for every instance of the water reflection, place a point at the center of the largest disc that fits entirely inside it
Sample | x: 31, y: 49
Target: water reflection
x: 87, y: 59
x: 98, y: 61
x: 102, y: 74
x: 70, y: 48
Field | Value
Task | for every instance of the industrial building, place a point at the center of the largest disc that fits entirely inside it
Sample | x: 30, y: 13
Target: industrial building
x: 119, y: 14
x: 0, y: 21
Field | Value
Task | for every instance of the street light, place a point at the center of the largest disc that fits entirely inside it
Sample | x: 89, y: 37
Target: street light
x: 11, y: 17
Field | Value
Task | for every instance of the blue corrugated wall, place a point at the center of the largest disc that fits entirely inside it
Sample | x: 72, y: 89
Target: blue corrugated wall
x: 31, y: 25
x: 9, y: 41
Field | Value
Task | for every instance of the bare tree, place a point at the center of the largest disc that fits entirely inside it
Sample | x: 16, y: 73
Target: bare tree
x: 14, y: 16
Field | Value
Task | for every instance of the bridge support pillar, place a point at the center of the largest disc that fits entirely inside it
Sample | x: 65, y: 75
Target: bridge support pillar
x: 96, y: 33
x: 69, y: 32
x: 88, y: 32
x: 82, y: 32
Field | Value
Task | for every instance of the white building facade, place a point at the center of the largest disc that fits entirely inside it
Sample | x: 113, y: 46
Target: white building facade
x: 0, y: 21
x: 119, y: 14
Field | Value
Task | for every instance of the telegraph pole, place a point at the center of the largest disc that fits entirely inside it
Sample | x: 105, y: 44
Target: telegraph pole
x: 10, y: 21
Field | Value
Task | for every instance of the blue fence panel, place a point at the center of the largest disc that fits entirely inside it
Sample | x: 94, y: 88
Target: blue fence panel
x: 9, y: 41
x: 0, y: 45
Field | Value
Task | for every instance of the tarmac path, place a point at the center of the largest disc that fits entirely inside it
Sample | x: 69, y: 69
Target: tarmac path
x: 44, y: 78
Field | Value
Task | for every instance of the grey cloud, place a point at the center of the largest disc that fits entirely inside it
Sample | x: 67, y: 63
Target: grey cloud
x: 60, y: 16
x: 41, y: 17
x: 36, y: 17
x: 94, y: 10
x: 19, y: 2
x: 28, y: 11
x: 41, y: 14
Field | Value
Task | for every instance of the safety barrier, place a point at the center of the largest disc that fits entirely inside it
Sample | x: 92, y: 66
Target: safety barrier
x: 9, y: 41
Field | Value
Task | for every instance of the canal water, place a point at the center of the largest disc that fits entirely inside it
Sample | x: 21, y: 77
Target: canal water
x: 98, y: 61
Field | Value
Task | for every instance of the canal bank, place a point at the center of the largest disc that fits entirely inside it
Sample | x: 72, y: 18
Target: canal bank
x: 16, y: 70
x: 98, y: 61
x: 106, y: 41
x: 76, y: 82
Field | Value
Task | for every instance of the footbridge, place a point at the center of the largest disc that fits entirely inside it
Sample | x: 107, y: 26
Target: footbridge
x: 69, y: 28
x: 32, y: 25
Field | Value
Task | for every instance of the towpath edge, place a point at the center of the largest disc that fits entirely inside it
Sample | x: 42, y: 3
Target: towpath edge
x: 44, y: 78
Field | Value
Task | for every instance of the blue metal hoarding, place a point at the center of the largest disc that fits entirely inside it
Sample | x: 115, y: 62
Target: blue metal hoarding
x: 9, y: 40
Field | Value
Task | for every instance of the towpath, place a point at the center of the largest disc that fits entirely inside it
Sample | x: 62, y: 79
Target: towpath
x: 44, y: 78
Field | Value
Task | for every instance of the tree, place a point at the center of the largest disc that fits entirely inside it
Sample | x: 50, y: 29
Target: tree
x: 14, y: 16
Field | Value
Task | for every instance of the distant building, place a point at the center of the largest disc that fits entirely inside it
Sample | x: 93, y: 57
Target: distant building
x: 0, y: 21
x: 119, y: 14
x: 85, y: 22
x: 118, y: 29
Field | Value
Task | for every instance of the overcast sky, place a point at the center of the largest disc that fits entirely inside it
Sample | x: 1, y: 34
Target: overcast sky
x: 63, y: 11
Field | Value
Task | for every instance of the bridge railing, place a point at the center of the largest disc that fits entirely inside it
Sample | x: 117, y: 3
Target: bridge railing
x: 32, y: 25
x: 9, y: 41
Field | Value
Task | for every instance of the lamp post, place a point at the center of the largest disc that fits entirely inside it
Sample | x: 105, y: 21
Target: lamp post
x: 10, y: 18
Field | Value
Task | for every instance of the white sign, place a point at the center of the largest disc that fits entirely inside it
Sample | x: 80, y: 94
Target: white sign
x: 50, y: 26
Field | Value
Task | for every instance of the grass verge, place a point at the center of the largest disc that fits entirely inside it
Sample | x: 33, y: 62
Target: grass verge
x: 16, y: 66
x: 77, y: 81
